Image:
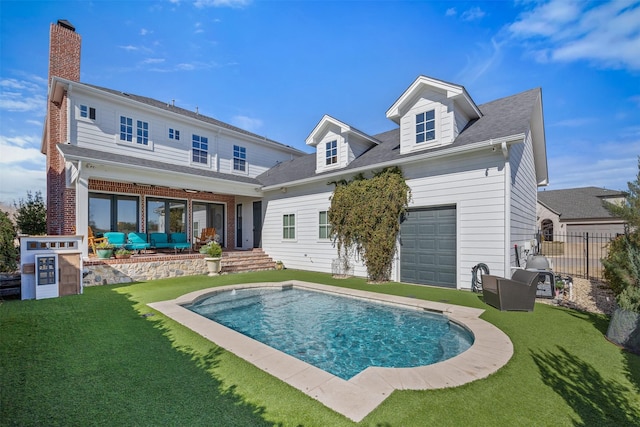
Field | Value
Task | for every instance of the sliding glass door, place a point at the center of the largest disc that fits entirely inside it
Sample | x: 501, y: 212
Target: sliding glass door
x: 209, y: 215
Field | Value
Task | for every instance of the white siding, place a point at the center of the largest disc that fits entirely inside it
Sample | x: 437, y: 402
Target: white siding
x: 103, y: 134
x: 333, y: 134
x: 474, y: 184
x: 307, y: 251
x: 523, y: 197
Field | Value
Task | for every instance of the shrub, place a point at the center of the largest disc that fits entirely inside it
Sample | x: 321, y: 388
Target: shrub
x: 31, y: 215
x: 8, y: 250
x: 622, y: 264
x: 365, y: 219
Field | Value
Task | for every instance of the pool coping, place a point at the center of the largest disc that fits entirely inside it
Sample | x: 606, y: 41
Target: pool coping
x: 360, y: 395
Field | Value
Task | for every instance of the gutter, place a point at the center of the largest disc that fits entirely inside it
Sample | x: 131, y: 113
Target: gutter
x: 491, y: 143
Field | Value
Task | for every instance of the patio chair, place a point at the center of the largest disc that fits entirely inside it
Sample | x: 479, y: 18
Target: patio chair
x: 517, y: 293
x: 207, y: 235
x: 92, y: 240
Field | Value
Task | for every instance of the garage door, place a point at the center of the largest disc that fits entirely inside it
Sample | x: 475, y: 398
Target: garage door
x: 428, y: 251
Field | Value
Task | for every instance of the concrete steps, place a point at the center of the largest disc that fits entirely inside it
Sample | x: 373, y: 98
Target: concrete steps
x: 240, y: 261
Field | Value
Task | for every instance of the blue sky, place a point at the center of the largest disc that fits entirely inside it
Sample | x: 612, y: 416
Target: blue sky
x: 276, y: 67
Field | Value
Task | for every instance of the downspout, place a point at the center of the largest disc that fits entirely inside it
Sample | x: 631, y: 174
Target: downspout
x: 507, y: 209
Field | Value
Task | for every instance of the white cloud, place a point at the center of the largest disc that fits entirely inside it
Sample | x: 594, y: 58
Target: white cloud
x: 472, y: 14
x: 222, y: 3
x: 575, y: 122
x: 607, y: 34
x: 144, y: 32
x: 451, y: 12
x: 247, y: 123
x: 153, y: 61
x: 22, y: 167
x: 484, y: 58
x: 129, y: 48
x: 22, y: 96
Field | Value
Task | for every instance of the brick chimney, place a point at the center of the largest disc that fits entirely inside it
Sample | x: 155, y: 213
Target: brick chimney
x: 64, y: 62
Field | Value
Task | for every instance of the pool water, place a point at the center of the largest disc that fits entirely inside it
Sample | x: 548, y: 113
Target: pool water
x: 340, y: 335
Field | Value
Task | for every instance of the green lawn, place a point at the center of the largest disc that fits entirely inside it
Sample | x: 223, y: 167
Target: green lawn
x: 101, y: 359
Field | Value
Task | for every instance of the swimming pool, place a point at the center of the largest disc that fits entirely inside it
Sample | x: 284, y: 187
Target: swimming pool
x: 362, y: 393
x: 341, y: 335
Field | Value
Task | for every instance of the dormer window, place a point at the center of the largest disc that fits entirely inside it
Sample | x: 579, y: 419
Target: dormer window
x: 331, y: 152
x: 426, y: 126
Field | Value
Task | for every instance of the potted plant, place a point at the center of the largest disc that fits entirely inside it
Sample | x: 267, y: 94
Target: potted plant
x: 212, y: 252
x: 104, y: 250
x: 622, y: 272
x: 123, y: 253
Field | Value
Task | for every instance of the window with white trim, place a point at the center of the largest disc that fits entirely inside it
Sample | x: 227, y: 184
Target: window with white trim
x: 87, y: 112
x: 142, y: 132
x: 289, y: 226
x: 324, y: 228
x: 426, y: 126
x: 126, y: 129
x: 331, y: 152
x: 174, y: 134
x: 239, y: 158
x: 199, y: 149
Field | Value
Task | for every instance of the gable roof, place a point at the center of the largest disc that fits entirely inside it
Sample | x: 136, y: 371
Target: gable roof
x: 502, y: 118
x: 579, y: 203
x: 452, y: 91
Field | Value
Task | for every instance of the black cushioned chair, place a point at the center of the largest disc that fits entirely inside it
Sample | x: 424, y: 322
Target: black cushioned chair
x: 517, y: 293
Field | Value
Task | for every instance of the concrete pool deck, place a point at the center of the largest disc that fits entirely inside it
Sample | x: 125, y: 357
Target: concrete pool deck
x: 360, y: 395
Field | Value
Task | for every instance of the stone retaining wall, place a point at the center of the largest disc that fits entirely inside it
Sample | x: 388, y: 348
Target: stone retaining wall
x: 105, y: 272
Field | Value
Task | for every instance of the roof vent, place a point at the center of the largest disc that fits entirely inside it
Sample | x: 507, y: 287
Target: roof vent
x: 66, y: 24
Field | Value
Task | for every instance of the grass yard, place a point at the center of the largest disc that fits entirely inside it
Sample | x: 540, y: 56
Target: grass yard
x: 101, y: 359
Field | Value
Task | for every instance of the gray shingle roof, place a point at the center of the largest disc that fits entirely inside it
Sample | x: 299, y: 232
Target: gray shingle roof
x: 187, y: 113
x: 579, y: 203
x: 501, y: 118
x: 73, y: 151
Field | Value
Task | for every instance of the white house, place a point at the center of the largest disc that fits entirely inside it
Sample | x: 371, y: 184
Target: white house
x: 118, y: 161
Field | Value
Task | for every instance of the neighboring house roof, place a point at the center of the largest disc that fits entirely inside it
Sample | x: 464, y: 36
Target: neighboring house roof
x: 501, y: 118
x: 579, y: 203
x: 73, y: 152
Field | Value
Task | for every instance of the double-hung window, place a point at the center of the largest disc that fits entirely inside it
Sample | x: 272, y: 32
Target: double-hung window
x: 142, y: 132
x: 324, y: 228
x: 426, y: 126
x: 199, y: 149
x: 331, y: 153
x: 289, y: 226
x: 126, y: 129
x: 239, y: 158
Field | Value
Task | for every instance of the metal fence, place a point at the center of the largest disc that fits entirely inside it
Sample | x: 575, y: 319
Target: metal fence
x: 577, y: 254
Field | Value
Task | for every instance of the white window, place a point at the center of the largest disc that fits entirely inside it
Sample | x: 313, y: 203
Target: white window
x: 289, y: 226
x: 239, y: 158
x: 142, y: 132
x: 199, y: 149
x: 324, y: 228
x: 174, y: 134
x: 126, y: 129
x: 331, y: 153
x: 426, y: 126
x: 87, y: 112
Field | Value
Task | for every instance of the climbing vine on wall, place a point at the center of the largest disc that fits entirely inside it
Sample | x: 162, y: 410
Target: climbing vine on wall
x: 365, y: 218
